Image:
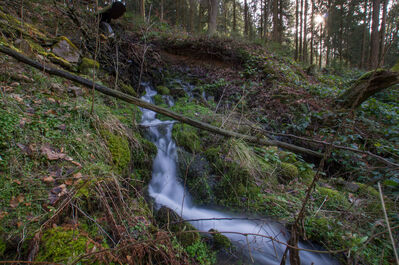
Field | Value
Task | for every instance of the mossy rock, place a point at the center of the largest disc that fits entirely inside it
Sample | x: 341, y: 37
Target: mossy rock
x: 372, y: 199
x: 323, y: 229
x: 220, y: 241
x: 65, y: 49
x: 87, y: 66
x: 395, y: 68
x: 57, y: 60
x: 334, y: 199
x: 170, y: 219
x: 307, y: 176
x: 163, y: 90
x: 158, y: 100
x: 119, y: 148
x: 63, y: 245
x: 287, y: 172
x: 186, y: 137
x: 128, y: 89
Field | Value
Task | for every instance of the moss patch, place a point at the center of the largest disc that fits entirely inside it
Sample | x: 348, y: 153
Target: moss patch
x: 186, y: 136
x: 119, y: 148
x: 87, y: 66
x: 163, y: 90
x: 63, y: 245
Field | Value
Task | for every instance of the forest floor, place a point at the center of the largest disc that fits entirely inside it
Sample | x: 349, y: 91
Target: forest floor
x: 75, y: 165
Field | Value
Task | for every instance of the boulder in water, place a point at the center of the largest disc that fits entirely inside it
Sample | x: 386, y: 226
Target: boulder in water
x: 171, y: 220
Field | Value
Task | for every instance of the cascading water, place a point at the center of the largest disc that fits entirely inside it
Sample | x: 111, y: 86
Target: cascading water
x: 167, y: 190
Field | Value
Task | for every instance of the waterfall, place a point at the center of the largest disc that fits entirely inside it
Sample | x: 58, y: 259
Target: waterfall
x: 166, y: 190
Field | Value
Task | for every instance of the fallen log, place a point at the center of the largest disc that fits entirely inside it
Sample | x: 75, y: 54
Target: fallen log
x: 138, y: 102
x: 366, y: 86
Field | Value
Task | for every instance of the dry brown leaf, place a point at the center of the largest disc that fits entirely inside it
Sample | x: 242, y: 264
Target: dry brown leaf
x: 51, y: 111
x: 16, y: 200
x: 48, y: 179
x: 51, y: 154
x: 17, y: 97
x: 77, y: 175
x: 17, y: 181
x: 52, y: 100
x: 68, y: 182
x: 3, y: 214
x: 76, y: 163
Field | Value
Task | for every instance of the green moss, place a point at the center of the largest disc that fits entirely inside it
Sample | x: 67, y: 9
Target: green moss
x: 395, y: 68
x: 322, y: 229
x: 69, y: 42
x: 3, y: 247
x: 186, y: 137
x: 158, y: 99
x: 307, y: 175
x: 220, y: 241
x: 186, y: 239
x: 63, y: 245
x: 201, y: 253
x: 163, y: 90
x: 56, y: 59
x: 287, y: 171
x: 373, y: 202
x: 87, y: 66
x: 334, y: 199
x: 128, y: 89
x: 119, y: 148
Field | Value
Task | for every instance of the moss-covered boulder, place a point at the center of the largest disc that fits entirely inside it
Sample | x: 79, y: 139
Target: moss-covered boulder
x: 163, y: 90
x: 287, y: 172
x: 128, y: 89
x: 333, y: 199
x: 187, y: 137
x: 119, y: 148
x: 220, y: 241
x: 169, y: 219
x: 196, y: 172
x: 65, y: 49
x: 87, y: 66
x: 395, y: 68
x: 64, y: 245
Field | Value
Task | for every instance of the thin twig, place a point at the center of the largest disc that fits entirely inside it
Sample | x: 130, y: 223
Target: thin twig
x: 388, y: 225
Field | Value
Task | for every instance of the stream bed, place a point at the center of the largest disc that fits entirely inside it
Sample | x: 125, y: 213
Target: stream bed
x: 167, y: 190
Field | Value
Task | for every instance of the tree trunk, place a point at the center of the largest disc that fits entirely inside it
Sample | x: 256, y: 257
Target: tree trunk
x: 300, y: 31
x: 305, y: 45
x: 276, y: 31
x: 321, y: 45
x: 193, y: 5
x: 374, y: 35
x: 311, y: 33
x: 366, y: 86
x: 245, y: 18
x: 382, y: 32
x: 234, y: 16
x: 296, y: 29
x: 162, y: 11
x: 212, y: 16
x: 365, y: 27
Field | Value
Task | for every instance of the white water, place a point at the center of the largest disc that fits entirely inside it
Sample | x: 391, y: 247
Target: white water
x: 167, y: 190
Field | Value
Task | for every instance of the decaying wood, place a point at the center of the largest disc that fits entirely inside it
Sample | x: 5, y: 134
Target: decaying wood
x: 138, y: 102
x: 366, y: 86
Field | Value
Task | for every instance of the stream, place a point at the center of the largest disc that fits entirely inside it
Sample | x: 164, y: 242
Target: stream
x: 167, y: 190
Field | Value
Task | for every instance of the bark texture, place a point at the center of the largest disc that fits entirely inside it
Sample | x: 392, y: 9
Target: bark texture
x: 366, y: 86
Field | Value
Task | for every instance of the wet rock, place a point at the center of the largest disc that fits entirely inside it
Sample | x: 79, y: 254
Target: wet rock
x: 66, y: 50
x: 196, y: 172
x: 177, y: 92
x: 170, y: 220
x: 220, y: 241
